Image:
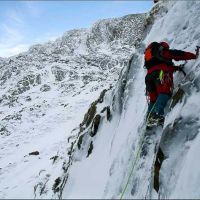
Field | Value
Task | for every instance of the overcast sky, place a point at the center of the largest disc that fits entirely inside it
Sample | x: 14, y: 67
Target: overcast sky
x: 23, y: 23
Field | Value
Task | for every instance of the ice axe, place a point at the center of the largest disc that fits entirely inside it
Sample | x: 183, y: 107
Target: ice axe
x: 180, y: 68
x: 197, y: 51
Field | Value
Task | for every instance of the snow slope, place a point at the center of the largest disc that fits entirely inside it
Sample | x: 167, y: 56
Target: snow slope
x: 101, y: 164
x: 43, y: 95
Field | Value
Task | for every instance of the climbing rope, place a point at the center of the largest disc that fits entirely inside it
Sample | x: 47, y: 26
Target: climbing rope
x: 133, y: 166
x: 132, y: 171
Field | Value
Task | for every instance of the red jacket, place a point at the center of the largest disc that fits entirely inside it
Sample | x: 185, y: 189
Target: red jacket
x: 170, y: 54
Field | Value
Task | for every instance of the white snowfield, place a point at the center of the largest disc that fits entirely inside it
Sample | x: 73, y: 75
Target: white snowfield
x: 42, y: 117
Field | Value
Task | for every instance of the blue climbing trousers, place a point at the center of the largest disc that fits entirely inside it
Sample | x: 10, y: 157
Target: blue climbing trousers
x: 158, y: 106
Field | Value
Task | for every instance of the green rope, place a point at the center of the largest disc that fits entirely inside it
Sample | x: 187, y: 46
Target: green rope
x: 133, y: 166
x: 137, y: 156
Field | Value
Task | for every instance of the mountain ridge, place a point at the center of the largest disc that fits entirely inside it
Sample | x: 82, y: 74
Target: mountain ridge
x: 44, y: 92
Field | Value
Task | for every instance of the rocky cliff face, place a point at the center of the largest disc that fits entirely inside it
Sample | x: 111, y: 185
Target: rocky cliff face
x: 83, y: 55
x: 44, y: 93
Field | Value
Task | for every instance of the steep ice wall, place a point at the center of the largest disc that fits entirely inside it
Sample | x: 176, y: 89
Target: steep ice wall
x: 102, y: 164
x: 179, y: 173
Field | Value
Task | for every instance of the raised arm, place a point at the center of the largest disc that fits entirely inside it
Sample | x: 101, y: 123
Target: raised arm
x: 178, y: 54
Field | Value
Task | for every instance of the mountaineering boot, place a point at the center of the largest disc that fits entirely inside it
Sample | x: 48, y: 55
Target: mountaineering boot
x: 155, y: 120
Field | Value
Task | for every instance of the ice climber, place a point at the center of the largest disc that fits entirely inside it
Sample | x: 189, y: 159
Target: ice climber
x: 159, y: 79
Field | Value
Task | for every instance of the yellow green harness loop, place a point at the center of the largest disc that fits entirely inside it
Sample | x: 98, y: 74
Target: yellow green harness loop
x: 161, y: 75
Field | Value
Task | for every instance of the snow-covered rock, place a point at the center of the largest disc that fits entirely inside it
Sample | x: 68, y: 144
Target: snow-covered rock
x: 44, y: 93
